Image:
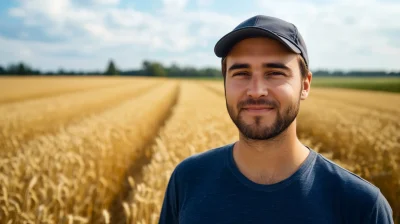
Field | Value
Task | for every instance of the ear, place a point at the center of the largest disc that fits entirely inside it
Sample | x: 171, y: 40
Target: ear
x: 306, y: 86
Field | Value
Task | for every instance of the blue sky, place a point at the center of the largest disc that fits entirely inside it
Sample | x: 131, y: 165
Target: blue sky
x: 85, y: 34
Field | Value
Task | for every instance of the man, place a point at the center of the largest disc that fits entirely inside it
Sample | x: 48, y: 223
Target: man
x: 268, y: 176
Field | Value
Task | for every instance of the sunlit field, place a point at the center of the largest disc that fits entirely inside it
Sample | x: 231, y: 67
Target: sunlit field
x: 102, y: 149
x: 387, y: 84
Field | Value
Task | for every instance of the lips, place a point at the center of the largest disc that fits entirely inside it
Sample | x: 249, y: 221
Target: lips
x: 257, y: 109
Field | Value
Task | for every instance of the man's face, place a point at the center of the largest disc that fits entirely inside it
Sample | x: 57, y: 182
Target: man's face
x: 263, y: 87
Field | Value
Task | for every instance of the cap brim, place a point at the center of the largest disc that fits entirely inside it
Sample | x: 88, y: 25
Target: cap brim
x: 224, y: 45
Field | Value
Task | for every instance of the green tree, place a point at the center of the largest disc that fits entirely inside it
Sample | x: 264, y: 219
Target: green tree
x: 158, y: 70
x: 111, y: 69
x: 21, y: 69
x: 173, y: 70
x: 12, y: 69
x: 153, y: 69
x: 61, y: 72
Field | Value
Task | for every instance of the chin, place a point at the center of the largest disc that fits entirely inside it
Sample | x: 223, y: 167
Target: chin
x: 258, y: 128
x: 258, y: 121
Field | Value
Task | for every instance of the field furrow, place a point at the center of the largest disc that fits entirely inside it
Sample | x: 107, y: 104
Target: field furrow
x: 199, y: 122
x: 27, y: 88
x: 22, y: 121
x: 72, y: 176
x: 383, y: 102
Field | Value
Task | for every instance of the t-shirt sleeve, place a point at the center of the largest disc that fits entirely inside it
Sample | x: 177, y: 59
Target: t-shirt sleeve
x: 381, y: 212
x: 169, y: 210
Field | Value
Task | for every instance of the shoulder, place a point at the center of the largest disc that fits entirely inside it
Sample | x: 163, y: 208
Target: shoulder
x: 201, y: 163
x: 346, y: 182
x: 353, y: 191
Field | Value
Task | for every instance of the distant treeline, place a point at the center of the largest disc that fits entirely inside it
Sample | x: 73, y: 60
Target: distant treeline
x: 149, y: 68
x: 355, y: 73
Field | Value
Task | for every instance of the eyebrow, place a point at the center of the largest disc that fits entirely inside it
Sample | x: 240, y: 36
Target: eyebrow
x: 238, y: 66
x: 276, y: 65
x: 265, y: 65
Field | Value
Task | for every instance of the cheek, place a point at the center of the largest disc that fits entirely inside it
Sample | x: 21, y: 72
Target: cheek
x: 230, y: 94
x: 237, y: 86
x: 233, y: 93
x: 287, y: 94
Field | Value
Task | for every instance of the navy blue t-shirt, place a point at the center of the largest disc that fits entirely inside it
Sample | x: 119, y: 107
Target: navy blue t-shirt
x: 209, y: 188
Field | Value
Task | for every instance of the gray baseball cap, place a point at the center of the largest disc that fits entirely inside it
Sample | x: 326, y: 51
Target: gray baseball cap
x: 263, y: 26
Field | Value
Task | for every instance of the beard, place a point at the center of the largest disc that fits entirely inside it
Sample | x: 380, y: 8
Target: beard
x: 258, y: 131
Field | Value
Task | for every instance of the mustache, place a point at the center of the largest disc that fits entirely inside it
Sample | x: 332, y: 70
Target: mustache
x: 253, y: 102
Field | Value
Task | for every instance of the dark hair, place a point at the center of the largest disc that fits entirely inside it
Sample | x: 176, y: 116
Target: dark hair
x: 302, y: 65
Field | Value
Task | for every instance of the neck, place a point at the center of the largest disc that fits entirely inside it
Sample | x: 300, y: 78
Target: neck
x: 270, y: 161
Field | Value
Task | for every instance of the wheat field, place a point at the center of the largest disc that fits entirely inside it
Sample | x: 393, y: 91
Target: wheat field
x: 101, y: 150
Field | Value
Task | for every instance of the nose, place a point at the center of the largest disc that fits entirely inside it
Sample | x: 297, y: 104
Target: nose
x: 257, y: 88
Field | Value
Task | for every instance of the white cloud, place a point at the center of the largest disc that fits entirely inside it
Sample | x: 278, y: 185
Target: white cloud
x: 343, y: 34
x: 204, y: 3
x: 55, y: 10
x: 98, y: 31
x: 17, y: 12
x: 106, y: 2
x: 131, y: 18
x: 173, y: 6
x: 339, y: 34
x: 171, y: 29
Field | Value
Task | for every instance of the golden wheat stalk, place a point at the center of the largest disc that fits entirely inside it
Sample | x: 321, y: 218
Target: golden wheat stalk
x: 81, y: 167
x: 23, y: 121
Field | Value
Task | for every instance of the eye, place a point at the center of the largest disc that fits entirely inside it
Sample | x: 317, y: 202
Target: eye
x: 276, y: 73
x: 240, y: 74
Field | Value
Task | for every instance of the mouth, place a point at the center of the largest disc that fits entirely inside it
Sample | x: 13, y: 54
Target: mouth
x: 257, y: 109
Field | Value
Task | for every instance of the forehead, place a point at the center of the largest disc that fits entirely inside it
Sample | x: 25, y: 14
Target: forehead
x: 253, y: 50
